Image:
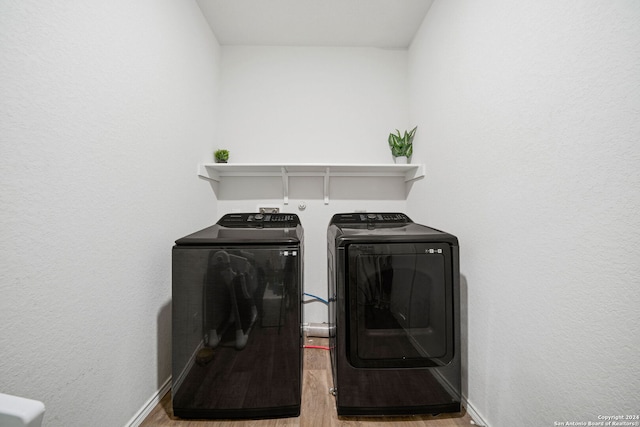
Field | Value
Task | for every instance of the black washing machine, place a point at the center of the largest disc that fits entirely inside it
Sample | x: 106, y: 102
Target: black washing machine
x: 237, y: 346
x: 394, y: 326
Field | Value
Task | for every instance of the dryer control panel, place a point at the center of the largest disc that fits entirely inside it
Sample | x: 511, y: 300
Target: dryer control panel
x: 249, y: 220
x: 373, y: 217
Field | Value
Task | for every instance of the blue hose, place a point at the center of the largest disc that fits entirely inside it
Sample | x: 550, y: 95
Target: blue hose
x: 317, y: 297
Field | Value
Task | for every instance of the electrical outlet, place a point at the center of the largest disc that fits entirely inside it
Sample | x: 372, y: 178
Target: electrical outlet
x: 264, y: 210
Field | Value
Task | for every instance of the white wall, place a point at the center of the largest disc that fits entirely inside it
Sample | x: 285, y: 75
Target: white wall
x: 105, y: 110
x: 312, y: 105
x: 528, y: 125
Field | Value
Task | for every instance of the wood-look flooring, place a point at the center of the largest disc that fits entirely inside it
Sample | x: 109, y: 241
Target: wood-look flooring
x: 318, y: 406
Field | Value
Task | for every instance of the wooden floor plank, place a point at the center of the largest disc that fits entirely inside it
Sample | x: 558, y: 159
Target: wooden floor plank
x: 318, y: 405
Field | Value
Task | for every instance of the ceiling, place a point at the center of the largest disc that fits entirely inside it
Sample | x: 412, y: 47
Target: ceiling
x: 363, y: 23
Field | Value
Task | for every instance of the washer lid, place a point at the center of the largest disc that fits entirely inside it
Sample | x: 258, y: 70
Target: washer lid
x: 248, y: 228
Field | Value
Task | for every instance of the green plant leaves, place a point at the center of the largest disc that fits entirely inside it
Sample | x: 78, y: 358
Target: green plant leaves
x: 221, y: 155
x: 402, y: 145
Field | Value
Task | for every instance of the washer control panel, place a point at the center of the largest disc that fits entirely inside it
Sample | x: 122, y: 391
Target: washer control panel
x: 273, y: 220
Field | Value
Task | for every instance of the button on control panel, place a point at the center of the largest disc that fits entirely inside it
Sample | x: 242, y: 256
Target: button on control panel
x: 279, y: 217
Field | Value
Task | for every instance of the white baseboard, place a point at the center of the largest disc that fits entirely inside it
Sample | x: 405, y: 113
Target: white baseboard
x: 146, y: 409
x: 474, y: 414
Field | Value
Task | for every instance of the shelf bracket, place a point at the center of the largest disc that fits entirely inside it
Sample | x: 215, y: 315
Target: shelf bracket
x: 209, y: 174
x: 326, y: 185
x: 414, y: 174
x: 285, y: 185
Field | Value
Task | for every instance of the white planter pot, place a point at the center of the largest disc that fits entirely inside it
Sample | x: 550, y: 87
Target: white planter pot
x: 401, y: 160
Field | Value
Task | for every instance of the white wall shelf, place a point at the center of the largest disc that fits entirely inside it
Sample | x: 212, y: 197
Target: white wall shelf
x: 218, y: 171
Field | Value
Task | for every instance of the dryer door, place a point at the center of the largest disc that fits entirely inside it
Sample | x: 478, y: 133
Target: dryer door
x: 400, y: 305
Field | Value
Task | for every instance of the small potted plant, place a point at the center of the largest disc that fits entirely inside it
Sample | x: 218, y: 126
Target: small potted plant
x: 402, y: 145
x: 221, y: 156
